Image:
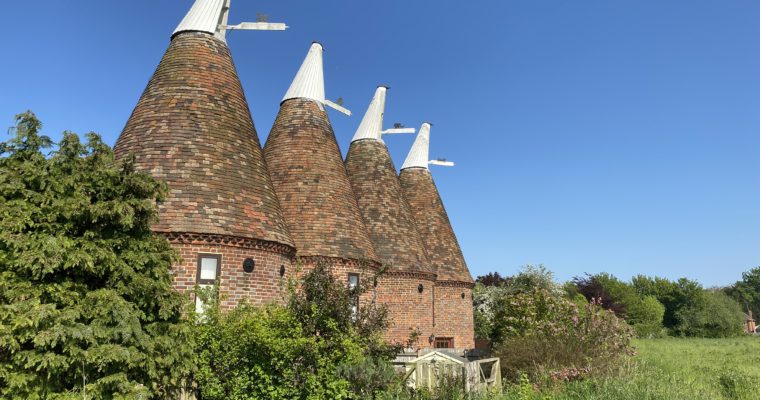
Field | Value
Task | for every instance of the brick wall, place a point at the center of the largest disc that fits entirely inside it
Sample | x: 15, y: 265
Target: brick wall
x: 408, y: 309
x: 261, y: 286
x: 453, y: 316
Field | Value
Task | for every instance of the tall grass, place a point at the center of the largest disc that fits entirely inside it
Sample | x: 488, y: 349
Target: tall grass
x: 672, y: 369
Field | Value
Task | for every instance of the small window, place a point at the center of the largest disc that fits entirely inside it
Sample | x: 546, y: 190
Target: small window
x: 353, y: 286
x: 209, y: 268
x: 444, y: 343
x: 353, y: 281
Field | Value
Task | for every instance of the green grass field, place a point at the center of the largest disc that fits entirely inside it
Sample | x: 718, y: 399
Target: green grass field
x: 678, y: 369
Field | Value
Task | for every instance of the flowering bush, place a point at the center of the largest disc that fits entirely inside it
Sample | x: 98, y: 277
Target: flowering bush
x: 539, y: 333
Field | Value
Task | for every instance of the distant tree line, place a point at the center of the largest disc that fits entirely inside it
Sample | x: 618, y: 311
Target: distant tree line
x: 653, y: 306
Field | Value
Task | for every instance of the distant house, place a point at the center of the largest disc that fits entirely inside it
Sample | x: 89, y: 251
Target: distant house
x: 749, y: 325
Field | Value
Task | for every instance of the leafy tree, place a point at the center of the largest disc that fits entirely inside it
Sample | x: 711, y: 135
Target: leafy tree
x: 747, y: 291
x: 675, y: 296
x: 645, y: 315
x: 533, y: 277
x: 604, y: 289
x: 86, y: 304
x: 492, y: 286
x: 643, y: 312
x: 713, y: 314
x: 492, y: 279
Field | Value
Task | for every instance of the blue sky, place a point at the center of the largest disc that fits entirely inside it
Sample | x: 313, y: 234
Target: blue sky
x: 589, y: 135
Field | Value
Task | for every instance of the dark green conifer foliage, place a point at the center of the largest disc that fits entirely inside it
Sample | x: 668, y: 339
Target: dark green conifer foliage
x: 87, y: 310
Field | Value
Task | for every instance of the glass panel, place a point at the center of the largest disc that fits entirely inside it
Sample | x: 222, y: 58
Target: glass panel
x: 353, y: 281
x: 199, y: 305
x: 208, y: 268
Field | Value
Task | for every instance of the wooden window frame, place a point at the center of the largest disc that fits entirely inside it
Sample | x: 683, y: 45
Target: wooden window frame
x: 198, y: 279
x: 448, y: 340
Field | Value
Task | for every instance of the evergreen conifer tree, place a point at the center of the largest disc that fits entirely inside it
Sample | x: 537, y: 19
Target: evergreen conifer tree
x: 87, y: 310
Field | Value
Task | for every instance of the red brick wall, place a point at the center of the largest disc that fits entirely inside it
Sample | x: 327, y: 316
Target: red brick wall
x: 263, y: 285
x: 340, y: 268
x: 453, y: 316
x: 407, y: 307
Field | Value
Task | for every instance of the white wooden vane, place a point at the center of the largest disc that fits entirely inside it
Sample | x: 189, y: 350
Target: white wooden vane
x: 418, y: 156
x: 309, y: 82
x: 371, y: 126
x: 211, y: 16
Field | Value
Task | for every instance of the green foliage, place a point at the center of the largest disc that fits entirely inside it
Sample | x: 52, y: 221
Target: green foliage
x: 538, y: 332
x: 675, y: 296
x: 645, y: 315
x: 735, y: 385
x: 369, y: 377
x: 86, y: 304
x: 313, y: 348
x: 264, y: 353
x: 643, y: 312
x: 747, y: 290
x: 713, y: 314
x: 491, y: 287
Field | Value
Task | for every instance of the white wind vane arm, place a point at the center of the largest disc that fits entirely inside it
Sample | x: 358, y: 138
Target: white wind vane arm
x: 337, y: 107
x: 441, y: 163
x: 257, y: 26
x: 398, y: 130
x: 211, y: 16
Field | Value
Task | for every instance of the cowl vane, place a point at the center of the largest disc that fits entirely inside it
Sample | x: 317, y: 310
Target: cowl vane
x: 309, y: 82
x: 418, y: 156
x: 210, y: 16
x: 371, y: 126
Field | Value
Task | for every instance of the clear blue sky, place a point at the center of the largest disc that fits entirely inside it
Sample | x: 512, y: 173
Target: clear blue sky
x: 589, y: 135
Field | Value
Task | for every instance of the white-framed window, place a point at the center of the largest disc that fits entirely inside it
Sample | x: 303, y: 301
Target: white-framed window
x: 209, y: 269
x: 353, y: 286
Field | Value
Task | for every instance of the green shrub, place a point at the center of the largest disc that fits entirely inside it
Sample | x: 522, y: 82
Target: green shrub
x: 645, y: 315
x: 312, y: 348
x: 644, y: 312
x: 539, y: 333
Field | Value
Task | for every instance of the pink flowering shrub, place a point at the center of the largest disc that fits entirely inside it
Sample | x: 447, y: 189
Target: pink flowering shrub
x: 544, y: 335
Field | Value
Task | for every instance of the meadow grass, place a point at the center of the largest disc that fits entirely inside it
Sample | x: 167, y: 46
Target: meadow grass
x: 673, y: 368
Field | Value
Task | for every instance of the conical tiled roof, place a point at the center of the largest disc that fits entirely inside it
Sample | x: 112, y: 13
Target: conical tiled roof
x: 192, y: 128
x: 309, y: 176
x: 386, y: 213
x: 432, y: 220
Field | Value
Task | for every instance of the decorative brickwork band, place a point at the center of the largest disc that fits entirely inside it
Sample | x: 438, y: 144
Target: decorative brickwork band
x: 412, y: 275
x: 353, y: 264
x: 232, y: 241
x: 455, y: 284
